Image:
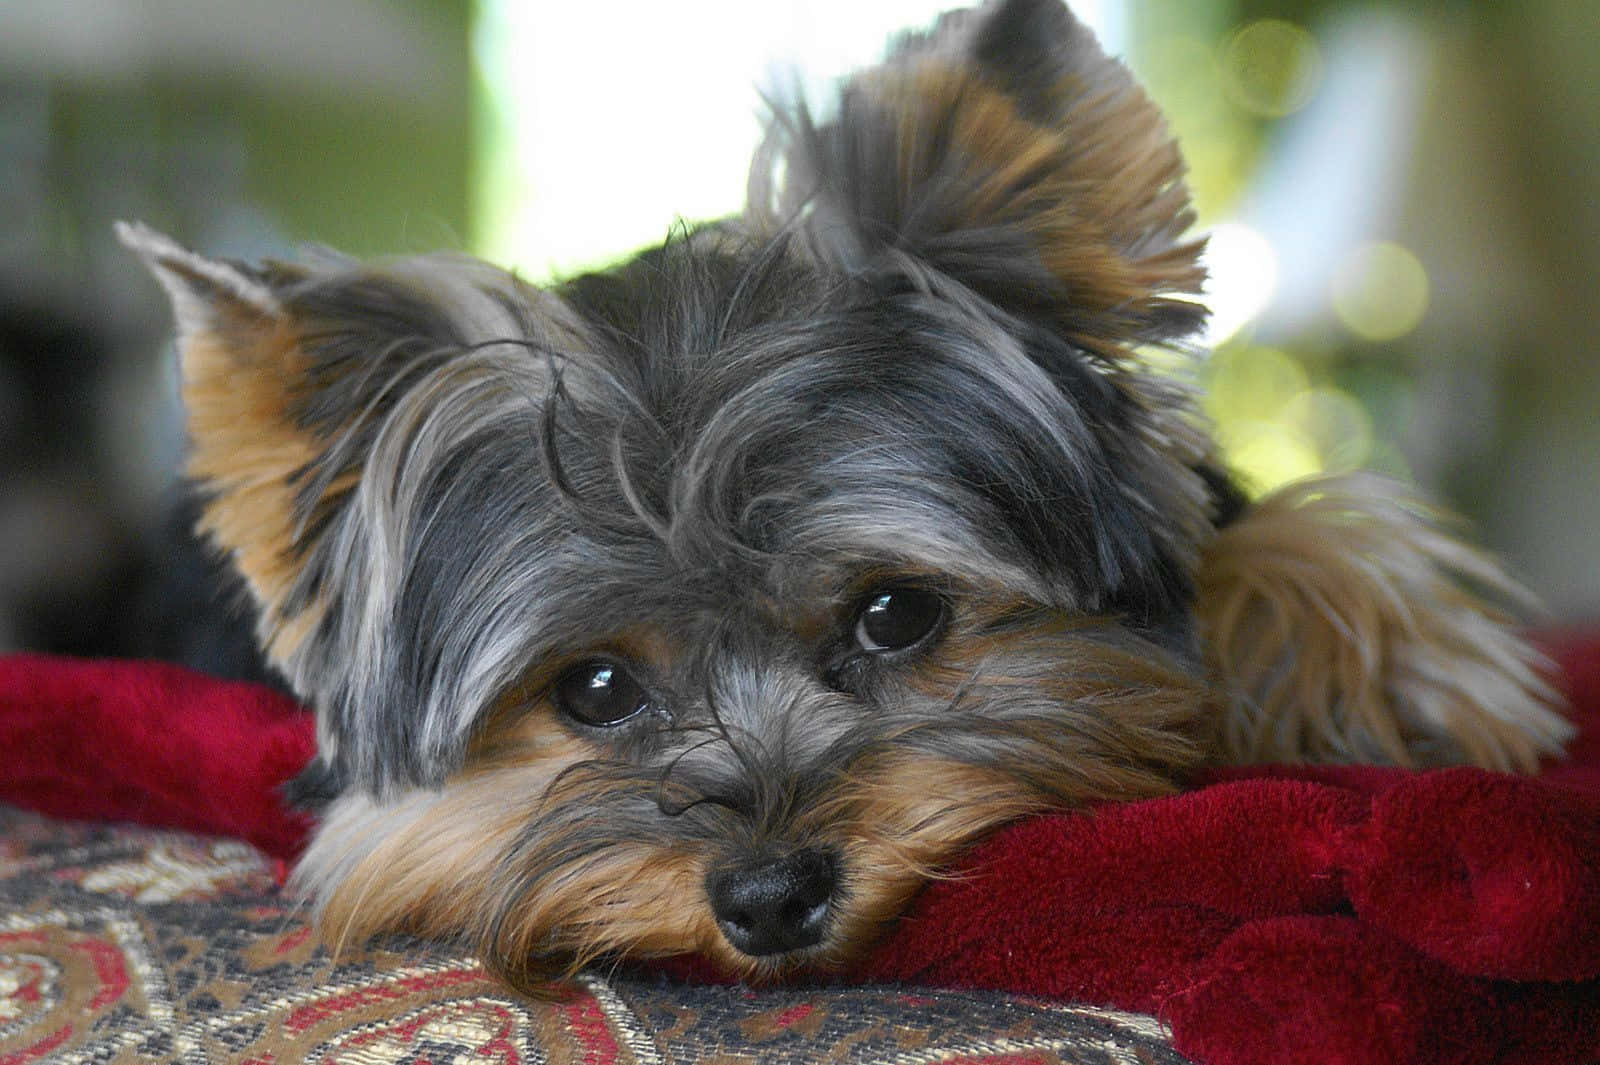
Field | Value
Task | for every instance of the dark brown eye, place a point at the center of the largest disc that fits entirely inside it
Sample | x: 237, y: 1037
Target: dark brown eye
x: 599, y: 693
x: 893, y: 619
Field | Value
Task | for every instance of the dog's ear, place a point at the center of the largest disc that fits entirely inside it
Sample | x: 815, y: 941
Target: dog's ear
x: 244, y: 372
x: 1006, y: 151
x: 327, y: 407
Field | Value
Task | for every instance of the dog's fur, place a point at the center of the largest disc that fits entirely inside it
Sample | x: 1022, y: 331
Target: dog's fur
x: 865, y: 503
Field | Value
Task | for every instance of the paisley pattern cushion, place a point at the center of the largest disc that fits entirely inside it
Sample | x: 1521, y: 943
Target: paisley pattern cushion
x: 123, y: 944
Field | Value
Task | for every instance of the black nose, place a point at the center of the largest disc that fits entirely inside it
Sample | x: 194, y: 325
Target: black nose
x: 774, y: 905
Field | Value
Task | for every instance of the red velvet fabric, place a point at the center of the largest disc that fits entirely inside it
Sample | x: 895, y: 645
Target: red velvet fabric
x: 1284, y: 915
x: 152, y: 743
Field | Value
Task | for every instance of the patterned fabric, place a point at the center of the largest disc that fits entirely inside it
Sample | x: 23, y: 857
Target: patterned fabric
x: 122, y: 944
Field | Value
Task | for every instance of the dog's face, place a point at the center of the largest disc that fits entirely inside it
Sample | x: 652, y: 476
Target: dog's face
x: 713, y: 602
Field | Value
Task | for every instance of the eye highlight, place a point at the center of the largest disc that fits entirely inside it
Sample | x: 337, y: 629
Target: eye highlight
x: 897, y: 618
x: 599, y: 693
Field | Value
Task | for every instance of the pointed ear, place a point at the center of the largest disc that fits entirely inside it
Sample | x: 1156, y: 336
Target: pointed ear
x: 329, y: 410
x: 243, y: 370
x: 1006, y: 151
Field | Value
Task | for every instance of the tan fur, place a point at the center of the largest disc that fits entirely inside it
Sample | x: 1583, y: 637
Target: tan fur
x: 246, y: 448
x: 899, y: 823
x: 431, y: 864
x: 1102, y: 211
x: 423, y: 861
x: 1143, y: 724
x: 1340, y: 623
x: 240, y: 359
x: 639, y: 900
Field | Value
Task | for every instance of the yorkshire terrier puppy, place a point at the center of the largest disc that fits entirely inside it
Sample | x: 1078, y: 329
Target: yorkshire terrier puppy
x: 712, y: 602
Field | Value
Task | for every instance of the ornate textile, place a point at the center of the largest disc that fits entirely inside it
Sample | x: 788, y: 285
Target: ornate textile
x: 121, y: 944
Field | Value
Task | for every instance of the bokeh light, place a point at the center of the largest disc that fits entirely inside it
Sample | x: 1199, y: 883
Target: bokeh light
x: 1264, y: 455
x: 1276, y: 424
x: 1337, y: 425
x: 1380, y: 292
x: 1249, y: 382
x: 1271, y: 67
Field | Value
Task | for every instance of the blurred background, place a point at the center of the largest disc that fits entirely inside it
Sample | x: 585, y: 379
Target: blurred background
x: 1402, y: 198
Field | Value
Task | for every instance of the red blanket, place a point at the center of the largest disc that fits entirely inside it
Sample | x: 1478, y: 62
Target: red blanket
x: 1277, y: 915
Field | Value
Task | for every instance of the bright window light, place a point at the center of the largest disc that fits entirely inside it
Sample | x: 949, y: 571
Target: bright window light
x: 1241, y: 273
x: 602, y: 124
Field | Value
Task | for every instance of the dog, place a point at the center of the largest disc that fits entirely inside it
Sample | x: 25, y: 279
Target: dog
x: 713, y: 602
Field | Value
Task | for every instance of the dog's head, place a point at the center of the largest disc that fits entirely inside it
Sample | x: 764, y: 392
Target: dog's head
x: 712, y: 602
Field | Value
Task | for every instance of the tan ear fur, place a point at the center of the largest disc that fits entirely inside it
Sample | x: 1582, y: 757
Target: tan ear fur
x: 1004, y: 149
x: 1103, y: 213
x: 1341, y: 625
x: 240, y: 360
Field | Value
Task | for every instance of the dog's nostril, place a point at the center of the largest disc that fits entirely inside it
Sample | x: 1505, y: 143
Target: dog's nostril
x: 774, y: 905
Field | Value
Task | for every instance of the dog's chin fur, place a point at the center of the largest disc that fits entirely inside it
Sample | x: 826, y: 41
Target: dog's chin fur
x: 907, y: 374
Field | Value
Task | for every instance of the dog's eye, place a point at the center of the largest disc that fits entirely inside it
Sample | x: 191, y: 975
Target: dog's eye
x: 599, y: 693
x: 893, y: 619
